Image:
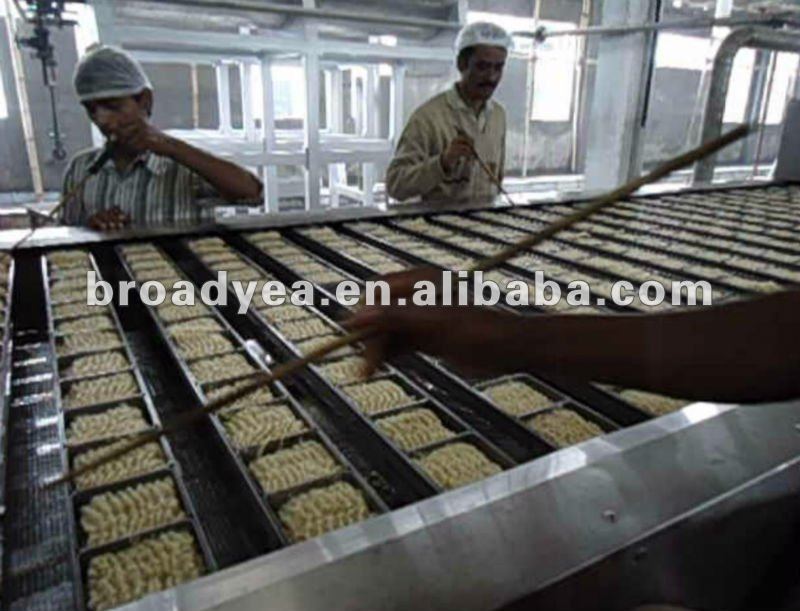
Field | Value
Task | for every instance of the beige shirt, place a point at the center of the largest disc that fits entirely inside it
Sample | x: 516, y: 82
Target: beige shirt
x: 416, y: 169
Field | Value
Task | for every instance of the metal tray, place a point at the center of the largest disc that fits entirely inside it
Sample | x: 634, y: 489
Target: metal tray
x: 321, y: 387
x: 84, y: 559
x: 515, y: 438
x: 81, y: 499
x: 94, y: 311
x: 713, y: 247
x: 383, y: 245
x: 279, y: 392
x: 311, y: 256
x: 92, y: 410
x: 507, y: 268
x: 508, y: 432
x: 64, y: 363
x: 384, y: 456
x: 144, y: 401
x: 604, y: 423
x: 341, y: 260
x: 389, y: 371
x: 510, y: 267
x: 65, y: 387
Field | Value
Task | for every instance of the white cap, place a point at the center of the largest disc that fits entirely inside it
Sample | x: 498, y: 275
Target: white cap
x: 483, y: 33
x: 109, y: 72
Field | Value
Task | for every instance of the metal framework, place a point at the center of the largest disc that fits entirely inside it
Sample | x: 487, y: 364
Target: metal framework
x: 318, y: 151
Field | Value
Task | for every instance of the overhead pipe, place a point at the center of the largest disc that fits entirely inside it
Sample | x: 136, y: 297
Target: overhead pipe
x: 541, y: 34
x: 314, y: 13
x: 755, y: 37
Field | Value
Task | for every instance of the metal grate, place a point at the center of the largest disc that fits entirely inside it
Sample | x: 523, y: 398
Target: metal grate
x: 38, y: 545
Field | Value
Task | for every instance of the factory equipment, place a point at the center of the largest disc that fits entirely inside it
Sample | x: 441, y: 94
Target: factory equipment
x: 42, y: 16
x: 550, y: 481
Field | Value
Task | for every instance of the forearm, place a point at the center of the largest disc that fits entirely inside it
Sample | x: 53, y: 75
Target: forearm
x: 743, y: 352
x: 231, y: 181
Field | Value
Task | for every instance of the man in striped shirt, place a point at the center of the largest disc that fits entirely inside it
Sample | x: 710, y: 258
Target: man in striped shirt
x: 150, y: 178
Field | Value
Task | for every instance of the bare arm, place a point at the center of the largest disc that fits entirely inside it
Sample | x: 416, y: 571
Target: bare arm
x: 231, y: 181
x: 746, y: 351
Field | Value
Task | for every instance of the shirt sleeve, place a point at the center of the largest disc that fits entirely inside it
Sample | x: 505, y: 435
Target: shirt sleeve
x: 71, y: 211
x: 501, y: 170
x: 414, y: 171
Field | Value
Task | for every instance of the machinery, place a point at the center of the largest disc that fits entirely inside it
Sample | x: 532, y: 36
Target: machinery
x: 41, y: 16
x: 663, y: 501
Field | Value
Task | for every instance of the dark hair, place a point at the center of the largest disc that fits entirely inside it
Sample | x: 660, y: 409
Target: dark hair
x: 463, y: 57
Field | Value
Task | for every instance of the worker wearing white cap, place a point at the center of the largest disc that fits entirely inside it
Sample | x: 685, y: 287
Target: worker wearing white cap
x: 145, y: 176
x: 435, y: 157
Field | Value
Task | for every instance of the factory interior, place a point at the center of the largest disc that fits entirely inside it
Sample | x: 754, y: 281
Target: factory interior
x: 610, y: 422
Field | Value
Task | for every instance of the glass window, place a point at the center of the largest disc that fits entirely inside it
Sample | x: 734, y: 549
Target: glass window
x: 510, y: 23
x: 289, y: 92
x: 554, y: 75
x: 681, y: 52
x: 3, y: 104
x: 785, y: 74
x: 553, y: 78
x: 739, y: 87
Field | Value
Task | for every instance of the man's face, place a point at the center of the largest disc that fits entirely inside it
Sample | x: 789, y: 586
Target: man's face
x: 110, y: 114
x: 482, y: 71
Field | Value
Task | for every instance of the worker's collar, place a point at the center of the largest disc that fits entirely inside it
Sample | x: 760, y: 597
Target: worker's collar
x: 157, y: 164
x: 456, y: 102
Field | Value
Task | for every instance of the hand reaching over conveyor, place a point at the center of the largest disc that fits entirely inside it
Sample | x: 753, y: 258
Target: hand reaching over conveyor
x: 745, y: 351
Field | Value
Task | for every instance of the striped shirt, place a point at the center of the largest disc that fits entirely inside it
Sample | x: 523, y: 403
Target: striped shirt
x: 153, y: 190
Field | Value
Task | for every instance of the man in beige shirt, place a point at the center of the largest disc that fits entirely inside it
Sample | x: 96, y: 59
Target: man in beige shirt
x: 435, y: 158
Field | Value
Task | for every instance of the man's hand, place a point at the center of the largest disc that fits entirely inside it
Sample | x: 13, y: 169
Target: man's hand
x: 475, y: 340
x: 460, y: 148
x: 142, y: 136
x: 401, y: 284
x: 470, y: 337
x: 109, y: 220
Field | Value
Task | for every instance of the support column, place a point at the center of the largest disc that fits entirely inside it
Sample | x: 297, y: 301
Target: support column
x: 371, y: 114
x: 311, y: 124
x: 270, y: 172
x: 224, y: 97
x: 195, y: 97
x: 722, y: 10
x: 618, y: 103
x: 397, y: 120
x: 248, y: 120
x: 337, y: 172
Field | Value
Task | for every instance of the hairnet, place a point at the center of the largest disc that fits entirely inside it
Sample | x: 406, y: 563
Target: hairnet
x: 109, y: 72
x: 483, y: 33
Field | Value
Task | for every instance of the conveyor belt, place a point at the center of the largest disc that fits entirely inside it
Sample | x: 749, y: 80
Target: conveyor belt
x: 336, y: 397
x: 72, y: 413
x: 232, y: 518
x: 241, y: 453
